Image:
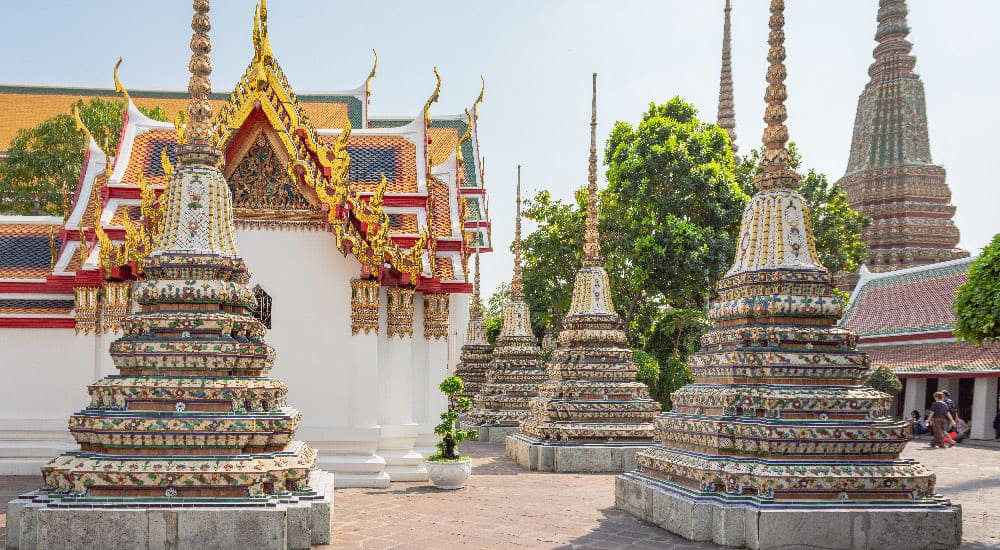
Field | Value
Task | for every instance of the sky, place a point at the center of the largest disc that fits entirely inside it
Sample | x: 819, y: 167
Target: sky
x: 537, y: 57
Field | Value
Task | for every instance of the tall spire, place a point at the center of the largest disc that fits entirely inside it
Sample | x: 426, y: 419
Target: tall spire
x: 890, y: 175
x: 475, y: 303
x: 517, y: 284
x: 199, y: 126
x: 775, y: 160
x: 726, y: 118
x: 592, y: 245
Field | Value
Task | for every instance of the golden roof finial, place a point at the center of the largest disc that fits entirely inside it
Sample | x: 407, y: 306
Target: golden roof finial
x: 591, y: 244
x: 53, y: 251
x: 119, y: 89
x: 433, y: 98
x: 475, y: 104
x: 80, y: 127
x: 199, y: 127
x: 466, y: 135
x: 517, y: 284
x: 775, y: 171
x: 371, y: 75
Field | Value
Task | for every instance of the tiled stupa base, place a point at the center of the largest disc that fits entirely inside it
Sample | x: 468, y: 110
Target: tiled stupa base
x: 569, y: 457
x: 490, y: 434
x: 300, y: 520
x: 751, y: 524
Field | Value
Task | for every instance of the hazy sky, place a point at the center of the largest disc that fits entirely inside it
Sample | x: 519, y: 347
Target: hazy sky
x: 537, y: 57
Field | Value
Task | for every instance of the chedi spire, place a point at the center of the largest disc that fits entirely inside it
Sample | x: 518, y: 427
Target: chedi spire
x: 777, y: 386
x: 592, y: 404
x: 726, y: 117
x: 476, y: 352
x: 516, y: 368
x: 191, y: 414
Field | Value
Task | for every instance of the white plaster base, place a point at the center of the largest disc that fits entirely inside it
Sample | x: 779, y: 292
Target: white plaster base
x: 542, y: 456
x: 765, y: 528
x: 33, y: 525
x: 402, y: 462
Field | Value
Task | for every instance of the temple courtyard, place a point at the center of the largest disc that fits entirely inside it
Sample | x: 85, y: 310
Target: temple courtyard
x: 505, y: 506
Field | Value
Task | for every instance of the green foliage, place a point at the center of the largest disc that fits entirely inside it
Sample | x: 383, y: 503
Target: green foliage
x: 451, y: 436
x: 43, y: 160
x: 837, y: 227
x: 649, y: 370
x: 977, y: 303
x: 671, y: 212
x: 675, y: 337
x: 884, y: 380
x: 552, y: 255
x: 493, y: 311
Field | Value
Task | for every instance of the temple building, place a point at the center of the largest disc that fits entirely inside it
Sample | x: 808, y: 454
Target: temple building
x: 191, y: 420
x: 776, y: 443
x: 476, y: 351
x: 516, y: 368
x: 591, y: 415
x: 890, y: 176
x: 359, y: 229
x: 904, y: 320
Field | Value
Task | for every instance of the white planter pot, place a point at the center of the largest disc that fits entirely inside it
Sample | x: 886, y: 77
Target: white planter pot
x: 449, y: 475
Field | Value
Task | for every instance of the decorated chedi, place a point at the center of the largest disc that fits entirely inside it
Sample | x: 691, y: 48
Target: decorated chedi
x: 191, y: 420
x: 516, y: 368
x: 776, y: 444
x: 591, y: 415
x: 476, y: 352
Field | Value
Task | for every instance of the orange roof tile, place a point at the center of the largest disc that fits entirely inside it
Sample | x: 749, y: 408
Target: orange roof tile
x: 25, y: 250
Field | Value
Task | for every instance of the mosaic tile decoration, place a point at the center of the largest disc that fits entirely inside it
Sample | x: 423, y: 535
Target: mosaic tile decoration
x: 777, y: 415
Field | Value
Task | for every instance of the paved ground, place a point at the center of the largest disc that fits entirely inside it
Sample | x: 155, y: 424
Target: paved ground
x: 504, y: 506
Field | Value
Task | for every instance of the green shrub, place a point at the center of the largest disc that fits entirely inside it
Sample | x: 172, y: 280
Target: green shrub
x: 451, y: 436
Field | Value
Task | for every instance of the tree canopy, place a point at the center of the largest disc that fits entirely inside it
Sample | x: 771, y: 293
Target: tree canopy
x: 977, y: 303
x: 669, y: 220
x: 44, y: 161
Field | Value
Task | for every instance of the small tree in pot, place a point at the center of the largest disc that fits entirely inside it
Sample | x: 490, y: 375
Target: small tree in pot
x: 447, y: 468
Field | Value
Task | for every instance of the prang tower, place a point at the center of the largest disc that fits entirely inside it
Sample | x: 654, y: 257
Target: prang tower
x: 890, y: 176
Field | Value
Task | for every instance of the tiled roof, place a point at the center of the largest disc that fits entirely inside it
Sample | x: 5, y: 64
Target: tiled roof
x: 403, y: 224
x: 942, y: 358
x: 145, y: 156
x: 36, y: 306
x: 907, y: 301
x: 125, y: 211
x: 440, y: 208
x: 26, y: 106
x: 25, y: 251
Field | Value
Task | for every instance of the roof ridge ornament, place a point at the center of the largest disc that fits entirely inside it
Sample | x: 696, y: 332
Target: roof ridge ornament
x: 371, y: 75
x: 119, y: 88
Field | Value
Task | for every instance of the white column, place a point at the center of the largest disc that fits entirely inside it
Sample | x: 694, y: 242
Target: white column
x: 433, y: 369
x: 914, y: 400
x: 984, y: 408
x: 399, y: 431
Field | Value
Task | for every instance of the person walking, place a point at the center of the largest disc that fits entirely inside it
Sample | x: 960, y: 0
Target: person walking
x: 952, y: 408
x: 940, y: 417
x: 996, y: 424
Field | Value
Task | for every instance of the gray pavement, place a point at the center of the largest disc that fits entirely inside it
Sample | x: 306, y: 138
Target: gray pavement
x: 505, y: 506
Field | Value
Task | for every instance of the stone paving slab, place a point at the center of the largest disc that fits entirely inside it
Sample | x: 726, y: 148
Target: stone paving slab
x: 505, y: 506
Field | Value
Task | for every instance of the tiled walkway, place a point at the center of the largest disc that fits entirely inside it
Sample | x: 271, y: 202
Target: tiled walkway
x: 504, y: 506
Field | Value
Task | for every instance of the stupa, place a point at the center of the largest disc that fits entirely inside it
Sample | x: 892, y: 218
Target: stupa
x: 476, y: 352
x: 591, y: 415
x: 776, y: 444
x: 191, y: 444
x: 890, y: 175
x: 516, y: 369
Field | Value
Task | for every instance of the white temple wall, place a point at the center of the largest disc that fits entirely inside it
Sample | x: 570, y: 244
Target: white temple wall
x: 327, y: 371
x: 45, y: 376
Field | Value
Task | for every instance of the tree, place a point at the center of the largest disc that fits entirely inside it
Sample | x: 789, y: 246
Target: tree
x: 672, y: 207
x: 884, y: 380
x: 837, y: 227
x: 977, y: 303
x: 675, y: 336
x: 495, y: 305
x: 45, y: 160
